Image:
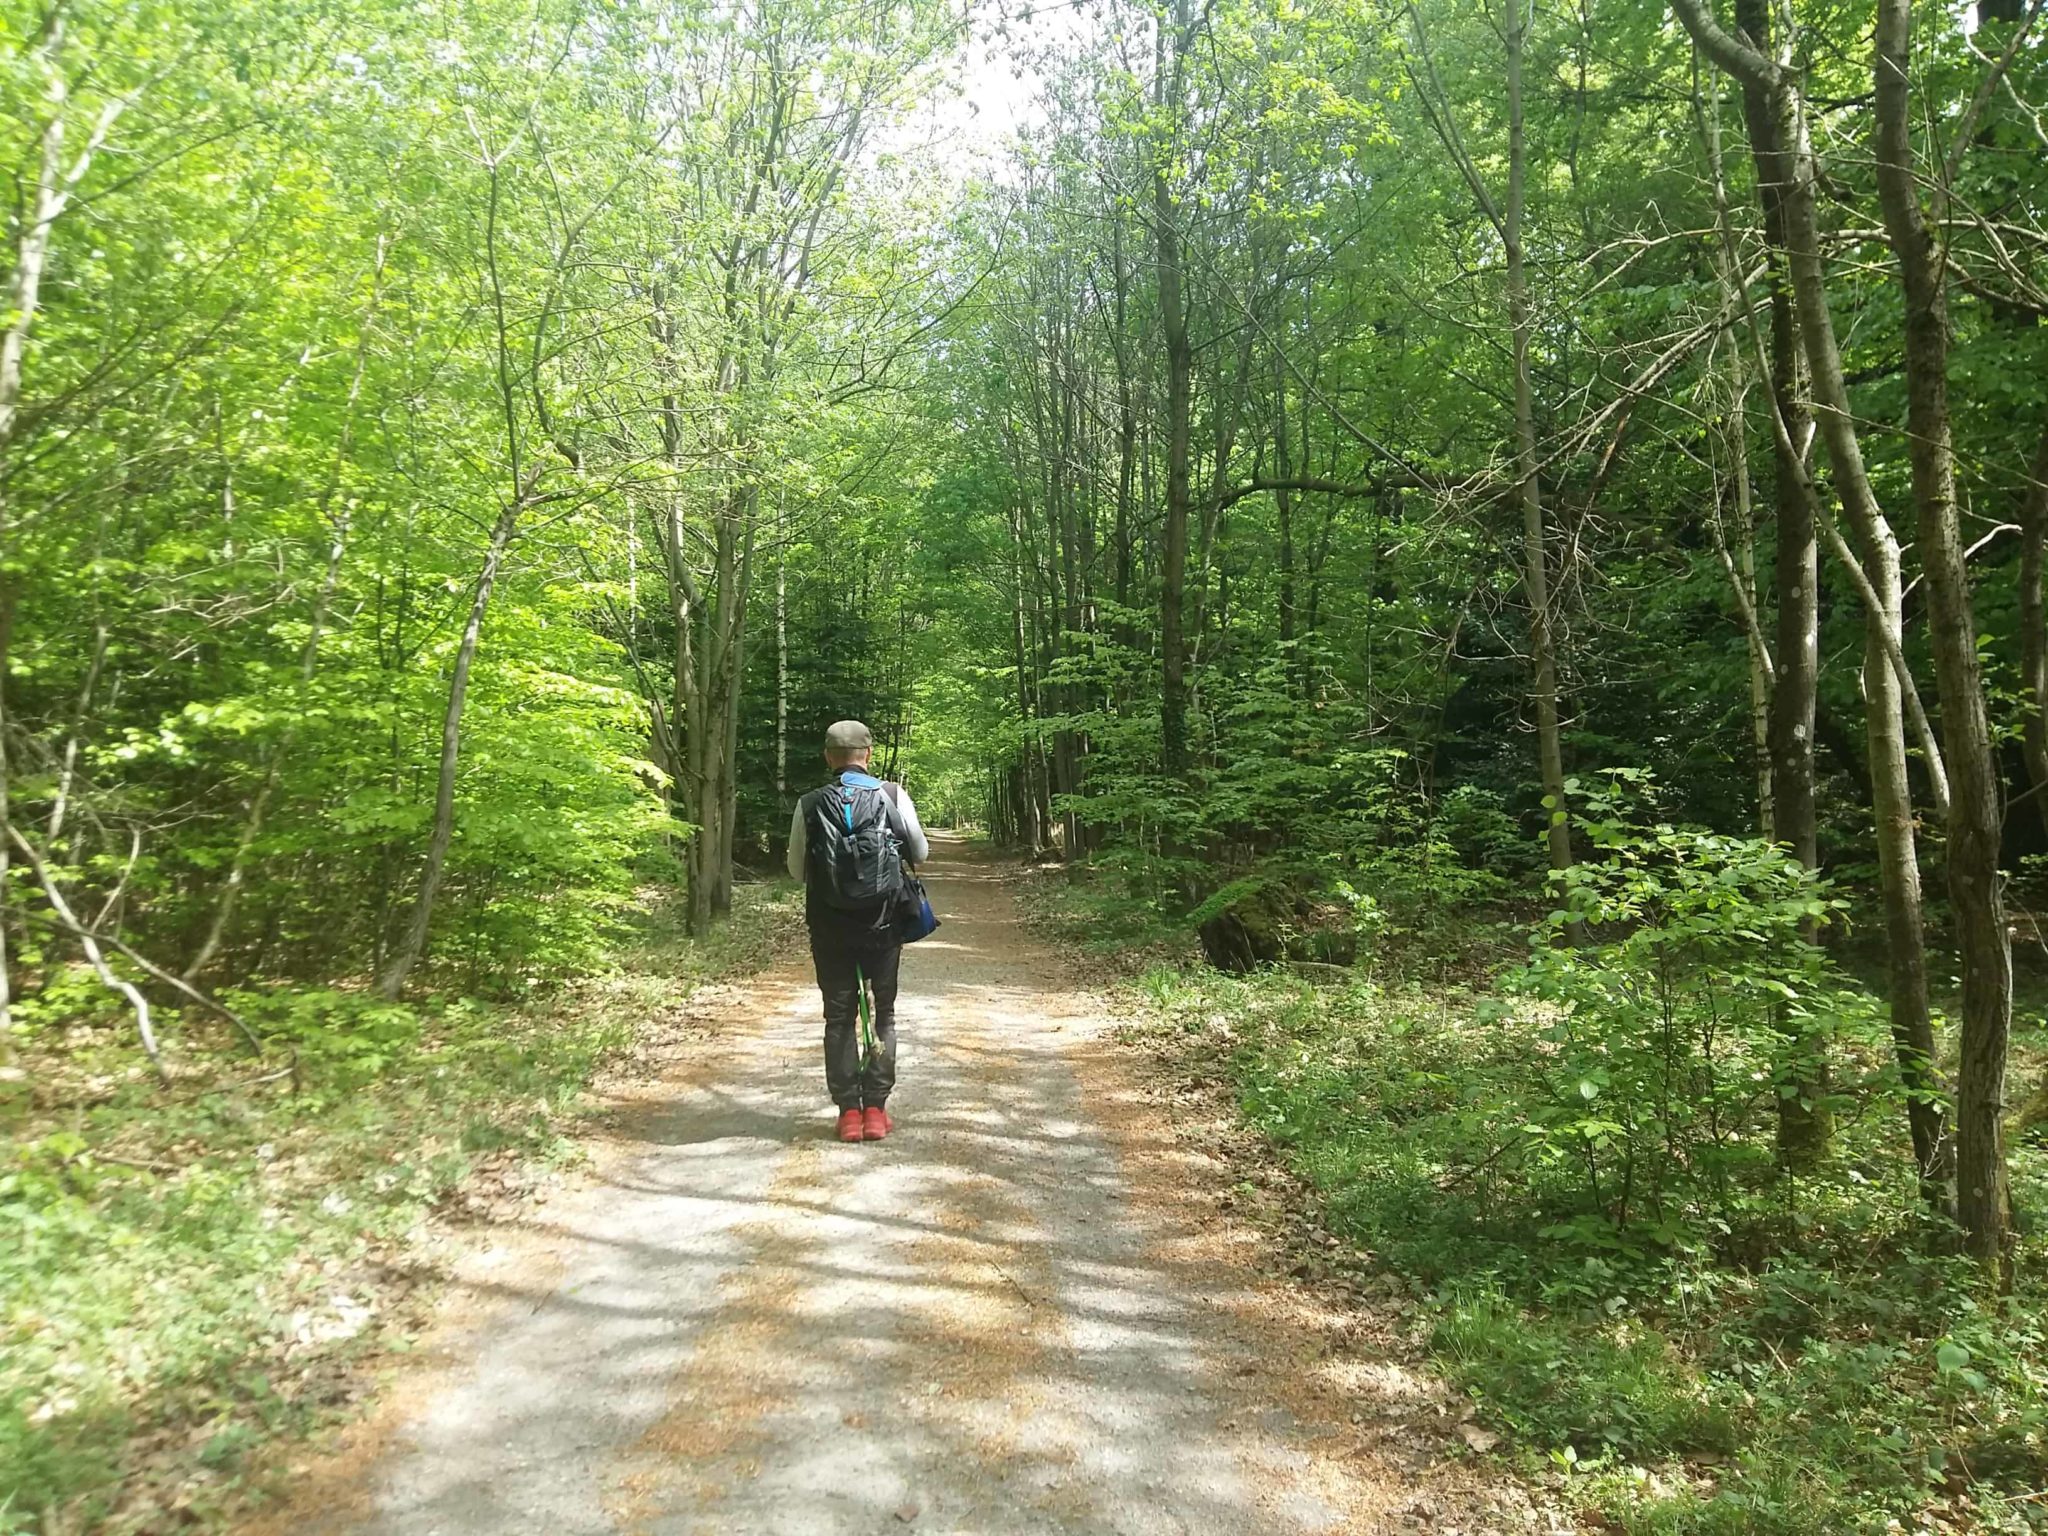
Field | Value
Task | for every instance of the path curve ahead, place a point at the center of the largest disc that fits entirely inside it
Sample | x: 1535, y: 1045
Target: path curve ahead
x: 1022, y: 1314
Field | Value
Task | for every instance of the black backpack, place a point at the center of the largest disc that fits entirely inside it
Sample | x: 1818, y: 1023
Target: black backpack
x: 850, y: 846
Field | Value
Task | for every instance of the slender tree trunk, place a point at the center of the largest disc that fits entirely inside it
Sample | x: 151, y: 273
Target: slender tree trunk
x: 1126, y: 435
x: 2033, y: 620
x: 1173, y: 322
x: 1782, y: 686
x: 1899, y: 882
x: 1283, y: 507
x: 1762, y: 672
x: 67, y: 772
x: 414, y: 944
x: 1795, y: 581
x: 24, y: 282
x: 1738, y: 564
x: 1975, y: 882
x: 1797, y: 654
x: 1528, y: 487
x: 47, y: 200
x: 781, y: 658
x: 1804, y: 1128
x: 1028, y: 826
x: 1312, y: 609
x: 686, y: 699
x: 1805, y: 1125
x: 732, y: 683
x: 716, y: 723
x: 7, y: 1051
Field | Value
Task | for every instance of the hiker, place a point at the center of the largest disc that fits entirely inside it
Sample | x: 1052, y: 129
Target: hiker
x: 848, y: 843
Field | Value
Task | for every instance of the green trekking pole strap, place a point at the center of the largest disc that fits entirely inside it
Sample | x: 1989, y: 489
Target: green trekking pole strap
x: 867, y: 1028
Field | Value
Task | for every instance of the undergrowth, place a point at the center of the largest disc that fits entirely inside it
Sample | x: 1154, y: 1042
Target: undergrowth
x: 1572, y: 1162
x: 187, y: 1273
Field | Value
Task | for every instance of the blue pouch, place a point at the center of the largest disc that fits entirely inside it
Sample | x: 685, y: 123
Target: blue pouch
x: 914, y: 916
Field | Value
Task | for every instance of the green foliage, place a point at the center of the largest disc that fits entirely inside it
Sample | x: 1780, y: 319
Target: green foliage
x: 185, y: 1273
x: 1575, y: 1168
x: 258, y: 456
x: 1646, y: 1120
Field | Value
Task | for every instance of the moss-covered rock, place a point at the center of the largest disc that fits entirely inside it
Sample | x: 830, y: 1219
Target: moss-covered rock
x: 1247, y: 925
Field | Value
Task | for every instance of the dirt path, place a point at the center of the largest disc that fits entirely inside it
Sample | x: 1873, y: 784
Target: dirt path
x: 1024, y: 1313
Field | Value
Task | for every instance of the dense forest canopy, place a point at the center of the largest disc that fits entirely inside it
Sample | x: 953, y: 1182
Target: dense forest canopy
x: 1338, y: 467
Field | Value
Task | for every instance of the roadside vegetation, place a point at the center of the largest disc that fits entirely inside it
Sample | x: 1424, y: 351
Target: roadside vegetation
x: 192, y: 1277
x: 1566, y: 1156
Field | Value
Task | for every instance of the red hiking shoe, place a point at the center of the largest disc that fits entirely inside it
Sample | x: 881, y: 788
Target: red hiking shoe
x: 877, y: 1123
x: 851, y: 1125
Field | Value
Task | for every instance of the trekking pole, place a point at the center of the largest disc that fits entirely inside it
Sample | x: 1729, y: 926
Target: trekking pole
x: 867, y: 1028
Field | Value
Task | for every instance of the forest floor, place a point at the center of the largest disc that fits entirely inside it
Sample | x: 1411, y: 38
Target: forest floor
x: 1063, y: 1297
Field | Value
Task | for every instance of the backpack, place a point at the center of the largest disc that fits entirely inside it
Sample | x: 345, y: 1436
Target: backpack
x: 850, y: 846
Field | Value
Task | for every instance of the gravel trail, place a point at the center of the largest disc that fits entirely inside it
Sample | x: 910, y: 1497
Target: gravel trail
x: 1023, y: 1313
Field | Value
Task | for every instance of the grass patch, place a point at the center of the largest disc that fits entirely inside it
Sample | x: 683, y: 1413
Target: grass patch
x: 1819, y: 1362
x: 1570, y: 1156
x: 186, y: 1274
x: 1103, y: 912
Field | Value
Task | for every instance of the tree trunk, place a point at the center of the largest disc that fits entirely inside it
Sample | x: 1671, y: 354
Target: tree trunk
x: 686, y: 694
x: 7, y: 1052
x: 781, y: 658
x: 1899, y: 883
x: 1126, y: 435
x: 1528, y: 489
x: 67, y: 772
x: 1029, y: 834
x: 734, y: 683
x: 1804, y: 1129
x: 1312, y: 609
x: 1796, y: 577
x: 414, y: 944
x: 714, y: 731
x: 1173, y: 320
x: 23, y: 284
x: 1974, y: 879
x: 1283, y: 506
x: 1805, y: 1126
x: 2033, y: 621
x: 1739, y: 564
x: 1761, y: 673
x: 48, y: 198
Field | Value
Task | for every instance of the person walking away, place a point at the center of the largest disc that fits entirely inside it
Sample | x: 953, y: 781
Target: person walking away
x: 848, y: 842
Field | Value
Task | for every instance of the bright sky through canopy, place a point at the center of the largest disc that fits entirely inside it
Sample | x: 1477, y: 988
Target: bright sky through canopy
x: 994, y: 94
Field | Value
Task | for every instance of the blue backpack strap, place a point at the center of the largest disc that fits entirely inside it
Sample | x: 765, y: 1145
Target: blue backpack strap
x: 846, y: 795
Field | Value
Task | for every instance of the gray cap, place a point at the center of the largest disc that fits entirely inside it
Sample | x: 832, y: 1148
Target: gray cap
x: 848, y: 736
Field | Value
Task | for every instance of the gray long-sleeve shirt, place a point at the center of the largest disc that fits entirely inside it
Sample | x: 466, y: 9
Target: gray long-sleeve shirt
x: 916, y: 848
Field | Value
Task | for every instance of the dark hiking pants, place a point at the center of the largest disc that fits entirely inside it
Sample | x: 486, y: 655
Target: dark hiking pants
x: 835, y: 954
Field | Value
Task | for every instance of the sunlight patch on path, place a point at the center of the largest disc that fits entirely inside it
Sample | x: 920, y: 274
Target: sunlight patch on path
x: 1013, y: 1317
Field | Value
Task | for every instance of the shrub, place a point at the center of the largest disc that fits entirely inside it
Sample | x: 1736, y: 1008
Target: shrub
x: 1644, y: 1115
